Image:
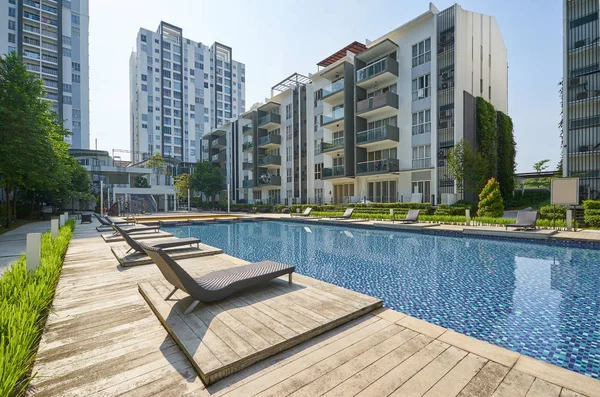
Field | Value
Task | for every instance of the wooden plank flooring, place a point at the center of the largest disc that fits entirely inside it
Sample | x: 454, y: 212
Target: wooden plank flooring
x: 111, y: 238
x: 178, y: 253
x: 224, y: 337
x: 103, y: 340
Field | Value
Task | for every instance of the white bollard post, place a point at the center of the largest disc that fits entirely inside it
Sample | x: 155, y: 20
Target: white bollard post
x: 33, y: 251
x: 61, y: 221
x: 392, y: 214
x: 101, y: 198
x: 188, y: 200
x: 54, y: 227
x: 166, y: 202
x: 66, y: 216
x: 569, y: 219
x: 468, y: 216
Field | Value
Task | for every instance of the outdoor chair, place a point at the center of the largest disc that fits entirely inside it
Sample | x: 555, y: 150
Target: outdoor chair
x: 108, y: 222
x: 171, y: 243
x: 525, y: 220
x: 411, y: 217
x: 135, y: 229
x: 347, y: 214
x: 86, y: 218
x: 216, y: 285
x: 305, y: 213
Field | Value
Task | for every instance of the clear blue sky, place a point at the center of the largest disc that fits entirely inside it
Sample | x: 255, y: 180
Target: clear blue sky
x: 275, y: 38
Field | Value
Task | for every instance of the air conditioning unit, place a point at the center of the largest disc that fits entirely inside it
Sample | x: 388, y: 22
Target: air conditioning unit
x: 444, y: 86
x: 441, y: 163
x: 421, y: 93
x: 444, y: 124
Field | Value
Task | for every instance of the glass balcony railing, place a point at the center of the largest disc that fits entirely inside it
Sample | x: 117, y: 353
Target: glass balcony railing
x: 247, y: 146
x: 378, y: 166
x: 421, y: 163
x: 378, y: 134
x: 336, y: 115
x: 273, y: 139
x: 247, y: 166
x: 272, y: 180
x: 384, y: 65
x: 335, y: 144
x: 269, y: 160
x: 247, y: 183
x: 247, y: 128
x: 388, y: 99
x: 334, y: 172
x: 333, y: 88
x: 269, y: 118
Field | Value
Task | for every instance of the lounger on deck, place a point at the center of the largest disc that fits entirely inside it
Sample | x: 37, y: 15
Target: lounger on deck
x: 216, y: 285
x: 305, y: 213
x: 108, y: 222
x: 347, y: 214
x: 525, y: 220
x: 411, y: 217
x: 171, y: 243
x: 135, y: 229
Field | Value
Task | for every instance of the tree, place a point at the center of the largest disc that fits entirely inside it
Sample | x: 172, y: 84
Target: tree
x: 466, y: 167
x: 490, y: 200
x: 207, y: 179
x: 539, y: 181
x: 141, y: 182
x: 541, y: 165
x: 182, y: 185
x: 158, y: 164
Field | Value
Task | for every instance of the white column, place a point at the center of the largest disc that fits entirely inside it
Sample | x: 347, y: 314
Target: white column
x: 188, y: 200
x: 175, y: 202
x: 228, y: 200
x: 54, y: 227
x: 468, y: 216
x: 569, y: 219
x: 101, y: 198
x: 166, y: 202
x: 33, y: 250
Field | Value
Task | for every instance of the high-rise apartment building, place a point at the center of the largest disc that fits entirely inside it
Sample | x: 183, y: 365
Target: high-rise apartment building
x: 179, y: 90
x: 52, y: 39
x: 581, y: 95
x: 376, y: 121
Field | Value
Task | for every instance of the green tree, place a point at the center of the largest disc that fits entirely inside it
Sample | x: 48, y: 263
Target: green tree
x: 539, y: 182
x: 490, y: 200
x: 466, y: 167
x: 157, y: 164
x: 207, y: 179
x: 183, y: 183
x: 141, y: 182
x: 541, y: 165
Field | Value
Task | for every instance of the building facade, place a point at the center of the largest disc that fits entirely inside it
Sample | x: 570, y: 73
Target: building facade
x: 51, y: 36
x: 376, y: 121
x: 581, y: 95
x: 179, y: 90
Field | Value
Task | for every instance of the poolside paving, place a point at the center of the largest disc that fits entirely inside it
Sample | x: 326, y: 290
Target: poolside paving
x: 102, y: 339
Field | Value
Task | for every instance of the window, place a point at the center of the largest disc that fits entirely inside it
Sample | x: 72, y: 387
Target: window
x: 66, y: 52
x: 288, y: 174
x: 12, y: 12
x: 67, y: 100
x: 288, y: 111
x: 12, y: 38
x: 317, y: 147
x: 66, y: 40
x: 144, y: 87
x: 76, y: 114
x: 421, y: 156
x: 76, y: 66
x: 144, y: 77
x: 67, y: 88
x: 318, y: 170
x: 421, y: 122
x: 75, y: 19
x: 289, y: 130
x: 421, y: 87
x: 143, y: 37
x: 12, y: 25
x: 75, y: 31
x: 76, y: 78
x: 421, y: 52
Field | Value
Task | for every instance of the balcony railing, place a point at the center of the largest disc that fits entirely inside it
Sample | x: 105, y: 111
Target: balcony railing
x: 247, y: 146
x: 33, y: 68
x: 334, y: 144
x: 272, y: 139
x: 334, y: 172
x: 336, y: 115
x: 247, y: 128
x: 378, y: 166
x: 269, y: 160
x: 31, y: 29
x: 49, y: 58
x: 247, y: 166
x: 273, y: 180
x: 387, y: 132
x: 388, y: 99
x: 49, y: 21
x: 269, y: 118
x: 421, y: 163
x: 382, y: 66
x: 247, y: 183
x: 29, y: 41
x: 31, y: 3
x: 29, y: 54
x: 52, y: 72
x: 219, y: 142
x: 49, y: 34
x: 332, y: 88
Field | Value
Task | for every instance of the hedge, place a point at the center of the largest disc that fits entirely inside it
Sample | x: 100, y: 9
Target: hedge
x: 25, y: 299
x: 458, y: 208
x: 548, y: 212
x: 591, y: 213
x: 374, y: 207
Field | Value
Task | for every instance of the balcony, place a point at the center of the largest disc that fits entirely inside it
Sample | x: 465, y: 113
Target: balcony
x: 378, y: 105
x: 50, y: 47
x: 248, y: 129
x: 270, y: 120
x: 338, y: 171
x: 48, y: 58
x: 31, y: 4
x: 273, y: 180
x: 247, y: 166
x: 270, y: 141
x: 248, y: 147
x: 31, y: 42
x: 31, y: 29
x: 333, y: 92
x: 50, y: 34
x: 381, y: 73
x: 381, y: 135
x: 420, y: 164
x: 269, y: 161
x: 382, y: 166
x: 218, y: 158
x: 332, y: 147
x: 219, y: 143
x: 248, y: 183
x: 335, y: 116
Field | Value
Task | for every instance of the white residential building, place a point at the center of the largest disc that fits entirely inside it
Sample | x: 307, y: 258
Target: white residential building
x: 179, y: 90
x: 376, y: 120
x: 52, y: 39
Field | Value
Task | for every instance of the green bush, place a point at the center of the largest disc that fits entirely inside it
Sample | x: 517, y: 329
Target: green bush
x: 533, y: 199
x: 591, y: 213
x: 457, y: 208
x: 490, y: 200
x: 548, y: 212
x: 591, y: 204
x: 25, y: 298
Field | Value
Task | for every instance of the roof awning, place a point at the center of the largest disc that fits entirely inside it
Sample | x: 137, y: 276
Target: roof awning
x: 355, y: 48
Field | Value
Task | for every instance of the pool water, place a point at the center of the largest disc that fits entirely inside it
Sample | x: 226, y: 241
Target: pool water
x: 541, y: 300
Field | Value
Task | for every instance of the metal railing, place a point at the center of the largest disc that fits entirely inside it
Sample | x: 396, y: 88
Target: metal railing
x: 378, y: 166
x: 383, y: 65
x: 421, y: 163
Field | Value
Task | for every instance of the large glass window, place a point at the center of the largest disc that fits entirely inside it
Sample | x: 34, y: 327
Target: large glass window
x: 421, y: 122
x: 421, y: 52
x: 421, y: 156
x: 421, y: 87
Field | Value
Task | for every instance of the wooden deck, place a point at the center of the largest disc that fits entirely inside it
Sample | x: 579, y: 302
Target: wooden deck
x: 111, y: 238
x: 104, y: 340
x: 137, y: 259
x: 224, y: 337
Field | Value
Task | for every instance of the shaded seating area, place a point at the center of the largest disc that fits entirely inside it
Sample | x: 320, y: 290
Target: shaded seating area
x: 216, y: 285
x: 306, y: 212
x: 526, y: 220
x: 411, y: 217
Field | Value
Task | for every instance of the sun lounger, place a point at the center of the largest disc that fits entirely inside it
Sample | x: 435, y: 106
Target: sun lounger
x: 525, y: 220
x: 171, y: 243
x: 86, y: 218
x: 108, y: 222
x: 411, y: 217
x: 216, y: 285
x: 347, y: 214
x: 135, y: 229
x: 305, y: 213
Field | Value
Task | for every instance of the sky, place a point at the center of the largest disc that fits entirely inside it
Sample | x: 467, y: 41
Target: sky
x: 275, y: 38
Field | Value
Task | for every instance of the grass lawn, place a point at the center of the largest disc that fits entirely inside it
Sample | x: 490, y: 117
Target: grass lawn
x: 16, y: 224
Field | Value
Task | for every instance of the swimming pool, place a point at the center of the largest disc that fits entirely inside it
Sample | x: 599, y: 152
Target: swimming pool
x: 542, y: 300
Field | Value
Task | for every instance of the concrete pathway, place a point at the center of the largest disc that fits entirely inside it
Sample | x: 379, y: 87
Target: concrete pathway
x: 12, y: 244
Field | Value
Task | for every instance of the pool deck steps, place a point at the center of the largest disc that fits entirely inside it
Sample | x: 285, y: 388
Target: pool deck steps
x: 102, y: 339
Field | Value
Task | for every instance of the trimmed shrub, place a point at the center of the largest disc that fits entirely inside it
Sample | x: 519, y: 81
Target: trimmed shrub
x: 490, y: 200
x: 25, y: 298
x: 548, y: 212
x: 456, y: 209
x: 534, y: 199
x: 591, y: 213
